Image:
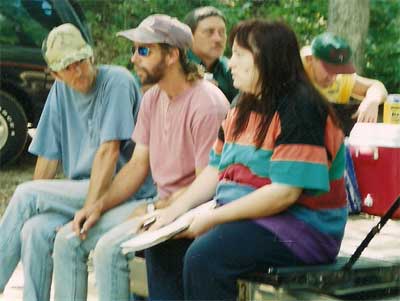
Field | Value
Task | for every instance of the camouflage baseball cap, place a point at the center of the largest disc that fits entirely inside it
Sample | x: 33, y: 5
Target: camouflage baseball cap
x: 334, y: 53
x: 160, y: 29
x: 63, y: 46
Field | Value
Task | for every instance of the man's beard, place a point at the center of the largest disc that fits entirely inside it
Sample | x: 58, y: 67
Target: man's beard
x: 156, y: 75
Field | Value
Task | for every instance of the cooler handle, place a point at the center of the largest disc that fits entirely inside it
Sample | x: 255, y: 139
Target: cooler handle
x: 367, y: 150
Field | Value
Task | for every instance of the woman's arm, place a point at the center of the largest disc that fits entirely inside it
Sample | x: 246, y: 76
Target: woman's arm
x: 201, y: 190
x: 265, y: 201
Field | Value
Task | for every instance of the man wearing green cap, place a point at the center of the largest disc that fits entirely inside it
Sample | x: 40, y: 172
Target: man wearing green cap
x: 86, y: 126
x: 328, y: 64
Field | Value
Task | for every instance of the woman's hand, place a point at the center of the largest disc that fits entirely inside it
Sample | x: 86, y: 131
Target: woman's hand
x: 200, y: 225
x: 163, y: 217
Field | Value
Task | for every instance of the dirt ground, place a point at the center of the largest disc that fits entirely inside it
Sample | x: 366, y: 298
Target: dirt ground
x: 14, y: 174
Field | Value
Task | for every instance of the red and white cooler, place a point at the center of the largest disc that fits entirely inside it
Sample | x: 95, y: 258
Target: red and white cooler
x: 375, y: 150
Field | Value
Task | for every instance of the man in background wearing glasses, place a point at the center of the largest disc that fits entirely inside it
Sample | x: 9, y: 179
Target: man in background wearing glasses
x: 86, y: 126
x: 177, y: 124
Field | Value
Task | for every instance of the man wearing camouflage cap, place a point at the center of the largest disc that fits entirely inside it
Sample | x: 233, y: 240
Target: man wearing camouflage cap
x: 328, y: 64
x: 86, y: 126
x: 177, y: 124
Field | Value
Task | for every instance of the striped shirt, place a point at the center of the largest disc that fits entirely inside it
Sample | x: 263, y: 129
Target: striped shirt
x: 300, y: 150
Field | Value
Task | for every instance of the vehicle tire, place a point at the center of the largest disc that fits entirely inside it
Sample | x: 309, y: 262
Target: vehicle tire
x: 13, y: 128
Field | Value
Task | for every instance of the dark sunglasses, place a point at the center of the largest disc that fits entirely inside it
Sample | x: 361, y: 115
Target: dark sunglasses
x: 141, y: 50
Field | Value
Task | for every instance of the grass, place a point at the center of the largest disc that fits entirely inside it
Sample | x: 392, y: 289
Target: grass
x: 14, y: 174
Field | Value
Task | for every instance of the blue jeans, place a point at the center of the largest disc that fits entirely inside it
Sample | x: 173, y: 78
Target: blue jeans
x: 28, y: 227
x: 164, y: 264
x: 211, y: 264
x: 111, y: 267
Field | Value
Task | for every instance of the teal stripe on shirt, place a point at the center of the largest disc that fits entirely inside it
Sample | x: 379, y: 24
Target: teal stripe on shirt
x: 257, y: 160
x: 228, y: 191
x: 328, y: 221
x: 300, y: 174
x: 338, y: 165
x: 214, y: 159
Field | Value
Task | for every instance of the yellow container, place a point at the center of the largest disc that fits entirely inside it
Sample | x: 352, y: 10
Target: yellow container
x: 391, y: 109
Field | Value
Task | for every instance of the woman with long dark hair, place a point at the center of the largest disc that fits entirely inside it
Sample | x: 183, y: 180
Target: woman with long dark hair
x: 276, y: 171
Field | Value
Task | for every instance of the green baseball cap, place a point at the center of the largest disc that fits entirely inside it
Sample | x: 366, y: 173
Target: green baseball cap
x: 334, y: 53
x: 64, y: 46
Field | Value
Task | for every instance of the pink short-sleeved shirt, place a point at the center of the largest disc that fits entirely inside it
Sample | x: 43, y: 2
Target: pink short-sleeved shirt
x: 179, y: 132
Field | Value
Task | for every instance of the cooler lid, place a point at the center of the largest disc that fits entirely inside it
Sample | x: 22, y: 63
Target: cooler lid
x: 375, y: 134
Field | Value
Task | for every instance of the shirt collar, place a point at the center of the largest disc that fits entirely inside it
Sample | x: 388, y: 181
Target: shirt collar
x: 194, y: 58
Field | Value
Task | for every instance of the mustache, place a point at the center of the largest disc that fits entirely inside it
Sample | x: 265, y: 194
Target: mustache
x: 219, y: 45
x: 136, y: 69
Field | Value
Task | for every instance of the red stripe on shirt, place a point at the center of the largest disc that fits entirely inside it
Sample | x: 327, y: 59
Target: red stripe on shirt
x: 241, y: 174
x: 335, y: 198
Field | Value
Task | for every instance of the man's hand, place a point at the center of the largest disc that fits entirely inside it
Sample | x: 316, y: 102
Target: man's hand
x: 372, y: 93
x: 86, y: 218
x: 367, y: 111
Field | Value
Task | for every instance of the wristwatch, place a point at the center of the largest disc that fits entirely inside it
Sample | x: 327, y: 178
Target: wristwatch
x: 151, y: 207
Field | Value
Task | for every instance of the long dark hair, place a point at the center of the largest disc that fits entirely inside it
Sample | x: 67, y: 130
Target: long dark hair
x: 276, y: 54
x: 192, y: 70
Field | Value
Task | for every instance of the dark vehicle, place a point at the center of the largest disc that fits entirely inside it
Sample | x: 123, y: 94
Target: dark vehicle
x: 24, y: 79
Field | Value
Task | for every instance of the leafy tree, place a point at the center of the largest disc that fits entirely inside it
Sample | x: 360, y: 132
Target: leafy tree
x: 350, y: 20
x: 307, y: 18
x: 382, y: 53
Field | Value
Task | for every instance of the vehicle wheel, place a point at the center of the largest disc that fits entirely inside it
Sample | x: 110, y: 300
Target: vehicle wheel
x: 13, y: 128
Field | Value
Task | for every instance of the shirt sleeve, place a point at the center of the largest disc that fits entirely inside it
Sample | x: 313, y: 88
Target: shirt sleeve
x: 299, y: 156
x: 46, y: 142
x: 207, y: 126
x: 216, y: 151
x: 119, y: 112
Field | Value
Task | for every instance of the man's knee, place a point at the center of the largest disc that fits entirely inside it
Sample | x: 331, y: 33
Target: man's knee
x: 36, y: 232
x: 23, y: 192
x: 105, y: 250
x: 65, y: 241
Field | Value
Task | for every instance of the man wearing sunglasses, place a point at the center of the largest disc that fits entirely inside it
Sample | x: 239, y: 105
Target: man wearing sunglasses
x: 177, y: 124
x: 86, y: 126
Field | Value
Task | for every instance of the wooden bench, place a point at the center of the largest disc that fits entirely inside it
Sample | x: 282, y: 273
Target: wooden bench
x: 138, y: 277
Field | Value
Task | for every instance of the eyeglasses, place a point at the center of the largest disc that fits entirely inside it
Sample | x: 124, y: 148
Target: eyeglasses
x: 141, y: 50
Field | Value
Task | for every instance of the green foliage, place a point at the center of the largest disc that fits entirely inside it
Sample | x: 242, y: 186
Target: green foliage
x: 382, y: 54
x: 307, y: 18
x: 106, y: 18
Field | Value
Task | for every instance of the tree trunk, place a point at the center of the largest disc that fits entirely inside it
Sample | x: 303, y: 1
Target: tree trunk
x: 350, y: 19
